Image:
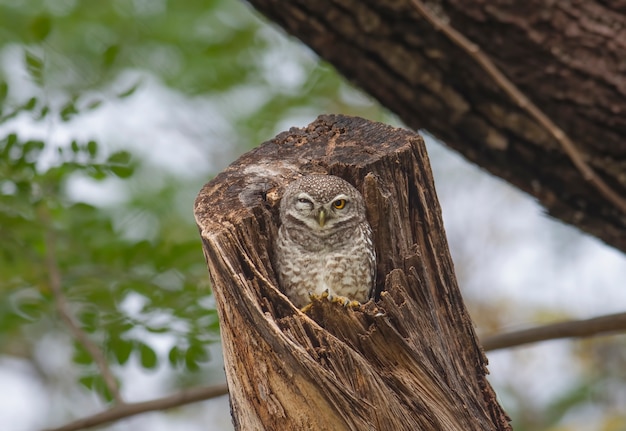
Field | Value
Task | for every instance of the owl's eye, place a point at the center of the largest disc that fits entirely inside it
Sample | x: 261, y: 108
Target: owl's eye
x: 304, y: 201
x: 339, y: 204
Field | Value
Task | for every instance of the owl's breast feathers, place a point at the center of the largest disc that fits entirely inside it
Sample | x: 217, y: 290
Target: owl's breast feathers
x: 343, y: 267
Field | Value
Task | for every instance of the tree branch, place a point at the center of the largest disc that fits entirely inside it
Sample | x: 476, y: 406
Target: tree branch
x: 573, y: 328
x: 524, y: 103
x: 61, y: 304
x: 122, y: 411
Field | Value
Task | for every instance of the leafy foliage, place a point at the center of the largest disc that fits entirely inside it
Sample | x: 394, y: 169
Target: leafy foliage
x: 121, y: 287
x: 101, y: 269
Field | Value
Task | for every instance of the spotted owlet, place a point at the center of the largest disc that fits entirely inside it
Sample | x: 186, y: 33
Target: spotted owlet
x: 324, y: 242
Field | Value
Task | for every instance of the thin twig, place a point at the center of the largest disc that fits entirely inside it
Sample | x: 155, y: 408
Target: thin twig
x: 524, y: 103
x: 573, y: 328
x: 122, y: 411
x: 54, y: 277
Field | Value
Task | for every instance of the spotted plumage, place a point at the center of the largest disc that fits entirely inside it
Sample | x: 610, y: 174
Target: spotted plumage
x: 324, y: 242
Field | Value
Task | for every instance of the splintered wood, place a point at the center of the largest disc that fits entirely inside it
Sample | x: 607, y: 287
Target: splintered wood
x: 407, y: 360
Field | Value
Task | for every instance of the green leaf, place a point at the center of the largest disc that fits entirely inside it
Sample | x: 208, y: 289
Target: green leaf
x: 88, y: 381
x: 159, y: 330
x: 81, y: 356
x: 191, y: 364
x: 90, y: 319
x: 147, y: 356
x: 68, y: 111
x: 200, y: 353
x: 123, y: 171
x: 195, y: 353
x: 119, y: 164
x: 30, y: 307
x: 121, y: 348
x: 103, y: 389
x: 119, y: 157
x: 92, y: 148
x: 93, y: 105
x: 109, y: 55
x: 129, y: 91
x: 10, y: 142
x: 30, y: 105
x: 32, y: 150
x: 95, y: 382
x: 4, y: 91
x: 40, y: 27
x: 44, y: 111
x: 176, y: 357
x: 97, y: 172
x: 34, y: 66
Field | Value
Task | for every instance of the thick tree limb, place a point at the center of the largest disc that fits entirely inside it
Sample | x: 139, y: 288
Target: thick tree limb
x: 408, y: 361
x: 122, y: 411
x: 565, y: 58
x: 574, y: 328
x: 522, y: 101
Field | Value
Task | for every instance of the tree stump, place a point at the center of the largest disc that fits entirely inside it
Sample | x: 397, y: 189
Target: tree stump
x: 408, y: 360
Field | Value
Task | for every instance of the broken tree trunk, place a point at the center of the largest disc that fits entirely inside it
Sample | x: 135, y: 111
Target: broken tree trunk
x: 409, y: 360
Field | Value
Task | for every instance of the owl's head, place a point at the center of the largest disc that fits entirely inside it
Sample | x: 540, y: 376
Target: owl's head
x: 323, y: 203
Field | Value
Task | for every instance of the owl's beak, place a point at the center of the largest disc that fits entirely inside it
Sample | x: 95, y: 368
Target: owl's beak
x: 321, y: 217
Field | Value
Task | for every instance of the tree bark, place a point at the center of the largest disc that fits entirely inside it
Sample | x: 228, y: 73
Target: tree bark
x: 569, y: 58
x: 408, y: 360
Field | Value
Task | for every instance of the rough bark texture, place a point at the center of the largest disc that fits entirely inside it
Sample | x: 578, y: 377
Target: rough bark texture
x: 568, y: 57
x: 409, y: 360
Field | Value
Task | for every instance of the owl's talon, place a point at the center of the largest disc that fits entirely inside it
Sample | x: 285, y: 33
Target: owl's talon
x: 353, y: 304
x: 324, y: 295
x: 346, y: 302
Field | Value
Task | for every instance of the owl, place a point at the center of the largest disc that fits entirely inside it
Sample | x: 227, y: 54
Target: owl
x: 324, y: 243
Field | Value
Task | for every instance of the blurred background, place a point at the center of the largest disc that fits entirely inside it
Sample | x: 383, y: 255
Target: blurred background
x: 113, y: 116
